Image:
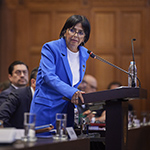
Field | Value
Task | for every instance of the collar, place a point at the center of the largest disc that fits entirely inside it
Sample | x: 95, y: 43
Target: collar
x: 32, y: 91
x: 14, y: 86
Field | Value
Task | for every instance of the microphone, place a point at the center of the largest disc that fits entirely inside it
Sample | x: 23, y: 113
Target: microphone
x: 109, y: 63
x: 133, y: 49
x: 133, y: 81
x: 105, y: 61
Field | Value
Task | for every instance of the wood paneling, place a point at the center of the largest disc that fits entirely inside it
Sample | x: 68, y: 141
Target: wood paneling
x: 103, y: 72
x: 7, y: 40
x: 104, y: 30
x: 28, y: 24
x: 40, y: 28
x: 131, y: 25
x: 22, y: 35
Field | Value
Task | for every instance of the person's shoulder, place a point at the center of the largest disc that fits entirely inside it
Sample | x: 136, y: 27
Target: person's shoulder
x: 55, y: 46
x: 83, y: 48
x: 84, y: 51
x: 4, y: 94
x: 7, y: 91
x: 22, y: 90
x: 54, y: 42
x: 20, y: 93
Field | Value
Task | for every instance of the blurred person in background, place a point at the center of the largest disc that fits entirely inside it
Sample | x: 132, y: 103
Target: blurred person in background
x: 18, y: 102
x: 18, y: 77
x: 88, y: 85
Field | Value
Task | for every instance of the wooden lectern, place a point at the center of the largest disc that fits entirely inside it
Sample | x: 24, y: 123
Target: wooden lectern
x: 116, y: 113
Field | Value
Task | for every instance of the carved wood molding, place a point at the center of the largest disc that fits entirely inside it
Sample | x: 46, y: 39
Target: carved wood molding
x: 121, y: 3
x: 40, y: 3
x: 97, y: 3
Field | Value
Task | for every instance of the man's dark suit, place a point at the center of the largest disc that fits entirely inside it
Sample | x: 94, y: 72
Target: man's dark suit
x: 4, y: 94
x: 12, y: 110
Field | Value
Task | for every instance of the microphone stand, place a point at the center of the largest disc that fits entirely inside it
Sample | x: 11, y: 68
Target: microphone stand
x: 107, y: 62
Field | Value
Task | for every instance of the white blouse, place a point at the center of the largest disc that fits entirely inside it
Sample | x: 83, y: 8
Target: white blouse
x: 73, y: 59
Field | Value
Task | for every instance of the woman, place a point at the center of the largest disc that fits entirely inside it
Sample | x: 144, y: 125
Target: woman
x: 62, y: 67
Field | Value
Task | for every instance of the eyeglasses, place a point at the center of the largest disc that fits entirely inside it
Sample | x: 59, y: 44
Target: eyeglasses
x: 73, y: 31
x: 19, y: 72
x: 91, y: 86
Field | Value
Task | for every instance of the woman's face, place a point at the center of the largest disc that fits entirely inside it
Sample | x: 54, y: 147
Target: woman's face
x: 74, y: 37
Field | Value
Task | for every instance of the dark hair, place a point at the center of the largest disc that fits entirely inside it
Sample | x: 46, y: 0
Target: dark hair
x: 114, y: 83
x: 72, y: 21
x: 11, y: 67
x: 33, y: 74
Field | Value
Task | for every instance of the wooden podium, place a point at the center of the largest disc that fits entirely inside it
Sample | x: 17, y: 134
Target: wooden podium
x: 116, y: 113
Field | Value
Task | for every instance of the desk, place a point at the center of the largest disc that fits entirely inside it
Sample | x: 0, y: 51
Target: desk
x: 139, y: 138
x: 49, y: 144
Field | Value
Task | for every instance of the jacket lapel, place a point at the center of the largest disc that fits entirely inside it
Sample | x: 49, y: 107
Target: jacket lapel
x: 82, y: 64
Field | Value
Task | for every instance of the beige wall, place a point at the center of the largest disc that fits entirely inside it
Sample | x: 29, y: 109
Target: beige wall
x: 27, y: 24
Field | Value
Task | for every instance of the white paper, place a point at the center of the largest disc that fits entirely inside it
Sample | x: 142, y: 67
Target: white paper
x: 9, y: 135
x: 71, y: 133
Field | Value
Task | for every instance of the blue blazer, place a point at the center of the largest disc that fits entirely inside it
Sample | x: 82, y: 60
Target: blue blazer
x: 54, y: 81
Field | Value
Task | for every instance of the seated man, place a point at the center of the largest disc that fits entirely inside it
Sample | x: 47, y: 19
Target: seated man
x: 114, y: 85
x: 102, y: 117
x: 89, y: 85
x: 18, y: 77
x: 18, y: 102
x: 100, y: 114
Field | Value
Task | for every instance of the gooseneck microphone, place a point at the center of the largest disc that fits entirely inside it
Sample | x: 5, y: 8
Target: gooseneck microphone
x: 133, y: 49
x: 133, y: 79
x: 107, y: 62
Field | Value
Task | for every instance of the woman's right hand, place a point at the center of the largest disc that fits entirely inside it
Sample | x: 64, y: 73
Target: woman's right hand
x: 76, y: 96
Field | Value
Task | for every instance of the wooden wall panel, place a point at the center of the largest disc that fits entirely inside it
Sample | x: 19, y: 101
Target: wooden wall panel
x: 131, y: 25
x: 40, y: 28
x: 106, y: 43
x: 22, y: 36
x: 35, y: 60
x: 104, y: 30
x: 103, y: 72
x: 40, y: 33
x: 7, y: 41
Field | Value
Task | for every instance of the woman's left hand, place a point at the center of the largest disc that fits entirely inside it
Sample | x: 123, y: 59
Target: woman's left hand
x: 76, y: 96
